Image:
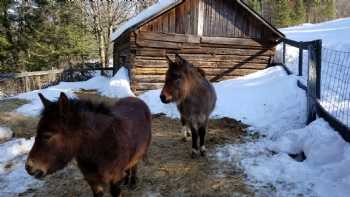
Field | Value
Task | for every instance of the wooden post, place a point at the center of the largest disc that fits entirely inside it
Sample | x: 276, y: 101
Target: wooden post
x: 284, y: 54
x: 300, y: 69
x: 314, y: 79
x: 200, y: 24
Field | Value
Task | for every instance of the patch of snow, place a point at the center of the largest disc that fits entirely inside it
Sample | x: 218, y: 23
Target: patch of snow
x: 144, y: 15
x: 13, y: 177
x: 5, y: 133
x: 323, y: 173
x: 117, y: 86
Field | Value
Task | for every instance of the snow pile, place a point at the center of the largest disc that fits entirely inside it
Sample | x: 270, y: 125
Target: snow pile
x: 144, y: 15
x: 334, y: 34
x: 5, y: 133
x: 259, y: 99
x: 13, y: 177
x: 118, y: 86
x: 323, y: 173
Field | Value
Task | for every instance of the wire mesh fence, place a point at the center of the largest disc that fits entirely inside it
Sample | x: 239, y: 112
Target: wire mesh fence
x: 325, y: 75
x: 335, y: 84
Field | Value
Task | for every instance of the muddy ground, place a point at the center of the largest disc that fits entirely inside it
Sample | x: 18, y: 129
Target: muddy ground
x: 170, y: 170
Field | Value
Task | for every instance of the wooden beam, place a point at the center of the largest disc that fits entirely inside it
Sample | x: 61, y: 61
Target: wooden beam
x: 200, y: 19
x: 231, y: 41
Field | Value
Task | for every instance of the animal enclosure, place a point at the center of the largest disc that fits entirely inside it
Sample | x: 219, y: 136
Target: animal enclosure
x: 225, y: 38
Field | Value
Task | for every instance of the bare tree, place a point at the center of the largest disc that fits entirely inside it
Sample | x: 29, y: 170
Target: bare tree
x: 102, y: 17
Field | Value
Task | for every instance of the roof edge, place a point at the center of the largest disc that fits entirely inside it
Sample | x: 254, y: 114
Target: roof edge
x: 146, y: 20
x: 262, y: 19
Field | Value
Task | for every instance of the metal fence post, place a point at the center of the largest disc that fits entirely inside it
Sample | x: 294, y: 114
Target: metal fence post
x: 314, y: 79
x: 284, y: 54
x: 300, y: 69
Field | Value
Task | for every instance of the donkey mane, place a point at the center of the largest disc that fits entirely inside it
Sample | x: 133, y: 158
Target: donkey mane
x: 76, y: 106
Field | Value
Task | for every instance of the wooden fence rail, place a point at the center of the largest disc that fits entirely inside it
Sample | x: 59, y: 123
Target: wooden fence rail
x: 14, y: 83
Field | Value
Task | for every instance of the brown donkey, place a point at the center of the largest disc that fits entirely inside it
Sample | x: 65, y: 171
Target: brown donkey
x: 107, y: 143
x: 194, y: 96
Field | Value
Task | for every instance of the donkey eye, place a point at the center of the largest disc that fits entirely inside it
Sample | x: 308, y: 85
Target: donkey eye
x: 46, y: 136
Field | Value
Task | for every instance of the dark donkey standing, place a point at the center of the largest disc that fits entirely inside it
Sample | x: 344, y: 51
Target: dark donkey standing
x: 107, y: 142
x: 194, y: 96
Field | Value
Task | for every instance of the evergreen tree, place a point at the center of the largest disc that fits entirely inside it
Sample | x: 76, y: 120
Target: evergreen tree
x: 329, y: 10
x: 255, y: 4
x: 298, y: 16
x: 282, y: 13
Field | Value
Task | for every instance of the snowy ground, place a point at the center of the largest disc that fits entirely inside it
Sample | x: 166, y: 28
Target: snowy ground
x: 268, y: 100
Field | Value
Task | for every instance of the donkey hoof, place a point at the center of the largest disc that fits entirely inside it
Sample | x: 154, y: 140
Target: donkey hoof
x: 203, y: 151
x: 194, y: 154
x: 132, y: 187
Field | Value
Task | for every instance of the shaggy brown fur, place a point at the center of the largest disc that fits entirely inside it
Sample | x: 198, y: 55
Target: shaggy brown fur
x: 107, y: 142
x: 194, y: 95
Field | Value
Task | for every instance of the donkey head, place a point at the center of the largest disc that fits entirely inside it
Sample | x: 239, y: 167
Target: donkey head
x: 54, y: 144
x: 175, y: 80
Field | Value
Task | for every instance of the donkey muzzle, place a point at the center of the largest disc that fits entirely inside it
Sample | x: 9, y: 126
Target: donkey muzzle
x: 164, y: 99
x: 32, y: 171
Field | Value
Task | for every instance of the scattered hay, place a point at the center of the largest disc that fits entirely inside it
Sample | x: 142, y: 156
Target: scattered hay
x: 170, y: 170
x: 22, y: 126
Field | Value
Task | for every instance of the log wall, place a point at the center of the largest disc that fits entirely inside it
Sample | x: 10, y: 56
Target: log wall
x: 222, y: 37
x: 221, y: 58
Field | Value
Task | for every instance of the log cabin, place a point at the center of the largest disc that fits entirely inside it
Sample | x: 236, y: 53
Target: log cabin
x: 225, y: 38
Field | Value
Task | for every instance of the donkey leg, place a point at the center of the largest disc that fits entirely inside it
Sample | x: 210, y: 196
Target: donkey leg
x: 133, y: 178
x: 202, y: 131
x: 98, y: 189
x: 194, y: 143
x: 115, y: 189
x: 127, y: 177
x: 185, y: 130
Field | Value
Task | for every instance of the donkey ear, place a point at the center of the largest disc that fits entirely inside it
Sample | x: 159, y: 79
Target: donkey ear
x: 168, y: 59
x: 179, y: 60
x: 63, y: 103
x: 46, y: 102
x: 171, y: 63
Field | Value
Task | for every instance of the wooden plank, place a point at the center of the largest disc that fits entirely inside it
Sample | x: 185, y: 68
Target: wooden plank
x: 208, y: 65
x: 159, y: 44
x: 209, y: 71
x: 168, y: 37
x: 150, y: 78
x: 172, y: 21
x: 231, y: 41
x: 200, y: 23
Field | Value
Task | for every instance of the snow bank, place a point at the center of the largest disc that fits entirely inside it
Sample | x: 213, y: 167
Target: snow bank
x: 334, y: 34
x: 13, y: 177
x: 5, y: 133
x: 324, y: 173
x: 118, y: 86
x: 267, y: 100
x: 144, y: 15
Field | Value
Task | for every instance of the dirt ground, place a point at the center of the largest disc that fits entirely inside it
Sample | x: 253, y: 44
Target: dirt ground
x: 170, y: 170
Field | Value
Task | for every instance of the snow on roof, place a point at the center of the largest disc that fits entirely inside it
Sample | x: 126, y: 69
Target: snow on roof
x: 146, y: 14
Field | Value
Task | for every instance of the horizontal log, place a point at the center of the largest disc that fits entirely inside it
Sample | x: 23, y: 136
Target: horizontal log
x: 202, y: 64
x: 232, y: 41
x: 208, y: 71
x: 147, y: 86
x: 149, y: 78
x: 168, y: 37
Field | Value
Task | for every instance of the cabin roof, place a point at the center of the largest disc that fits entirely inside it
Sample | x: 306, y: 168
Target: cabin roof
x: 164, y: 5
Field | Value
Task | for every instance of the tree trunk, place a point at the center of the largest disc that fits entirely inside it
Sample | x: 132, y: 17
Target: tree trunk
x: 102, y: 52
